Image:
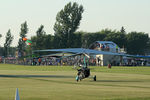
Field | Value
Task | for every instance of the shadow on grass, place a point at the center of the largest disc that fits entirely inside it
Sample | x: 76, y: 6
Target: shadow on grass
x: 90, y: 83
x: 44, y: 76
x: 118, y: 81
x: 85, y: 82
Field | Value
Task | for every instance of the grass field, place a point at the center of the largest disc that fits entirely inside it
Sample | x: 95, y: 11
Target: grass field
x: 58, y: 83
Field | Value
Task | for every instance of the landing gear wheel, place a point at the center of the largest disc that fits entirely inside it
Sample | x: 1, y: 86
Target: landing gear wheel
x: 77, y: 78
x: 94, y: 78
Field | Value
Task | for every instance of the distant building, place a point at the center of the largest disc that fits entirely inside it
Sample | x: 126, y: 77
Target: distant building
x: 109, y: 46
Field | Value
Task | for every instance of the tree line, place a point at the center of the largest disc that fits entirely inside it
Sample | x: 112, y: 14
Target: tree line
x: 67, y: 36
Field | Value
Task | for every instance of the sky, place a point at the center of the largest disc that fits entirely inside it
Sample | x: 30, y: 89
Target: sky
x: 133, y: 15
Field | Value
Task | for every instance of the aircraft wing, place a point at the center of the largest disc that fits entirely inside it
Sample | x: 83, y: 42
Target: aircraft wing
x: 58, y: 55
x: 78, y: 51
x: 137, y: 56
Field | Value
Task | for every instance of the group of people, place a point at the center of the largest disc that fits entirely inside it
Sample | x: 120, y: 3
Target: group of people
x: 61, y: 61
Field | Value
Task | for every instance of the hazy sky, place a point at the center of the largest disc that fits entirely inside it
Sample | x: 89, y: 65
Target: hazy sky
x: 134, y: 15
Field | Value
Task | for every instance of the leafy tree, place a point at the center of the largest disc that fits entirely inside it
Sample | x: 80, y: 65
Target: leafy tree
x: 86, y: 40
x: 148, y: 47
x: 0, y: 35
x: 58, y: 42
x: 89, y: 38
x: 48, y: 41
x: 2, y: 50
x: 137, y: 42
x: 107, y: 31
x: 117, y: 37
x: 21, y: 44
x: 67, y: 22
x: 122, y: 30
x: 92, y: 37
x: 41, y: 40
x: 8, y: 42
x: 78, y: 39
x: 40, y: 33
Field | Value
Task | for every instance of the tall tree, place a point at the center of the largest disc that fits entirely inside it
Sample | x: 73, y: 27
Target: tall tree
x: 7, y: 43
x: 137, y: 42
x: 1, y: 51
x: 21, y: 43
x: 147, y: 51
x: 67, y: 22
x: 122, y: 30
x: 40, y: 31
x: 0, y: 35
x: 39, y: 38
x: 89, y: 38
x: 118, y: 38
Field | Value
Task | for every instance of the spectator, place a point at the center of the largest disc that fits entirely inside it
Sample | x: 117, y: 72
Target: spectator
x: 39, y: 60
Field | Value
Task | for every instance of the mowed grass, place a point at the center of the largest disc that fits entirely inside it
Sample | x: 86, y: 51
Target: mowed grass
x: 58, y: 83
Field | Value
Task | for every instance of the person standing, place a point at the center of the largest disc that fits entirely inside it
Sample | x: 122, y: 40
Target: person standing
x: 116, y: 48
x: 39, y: 60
